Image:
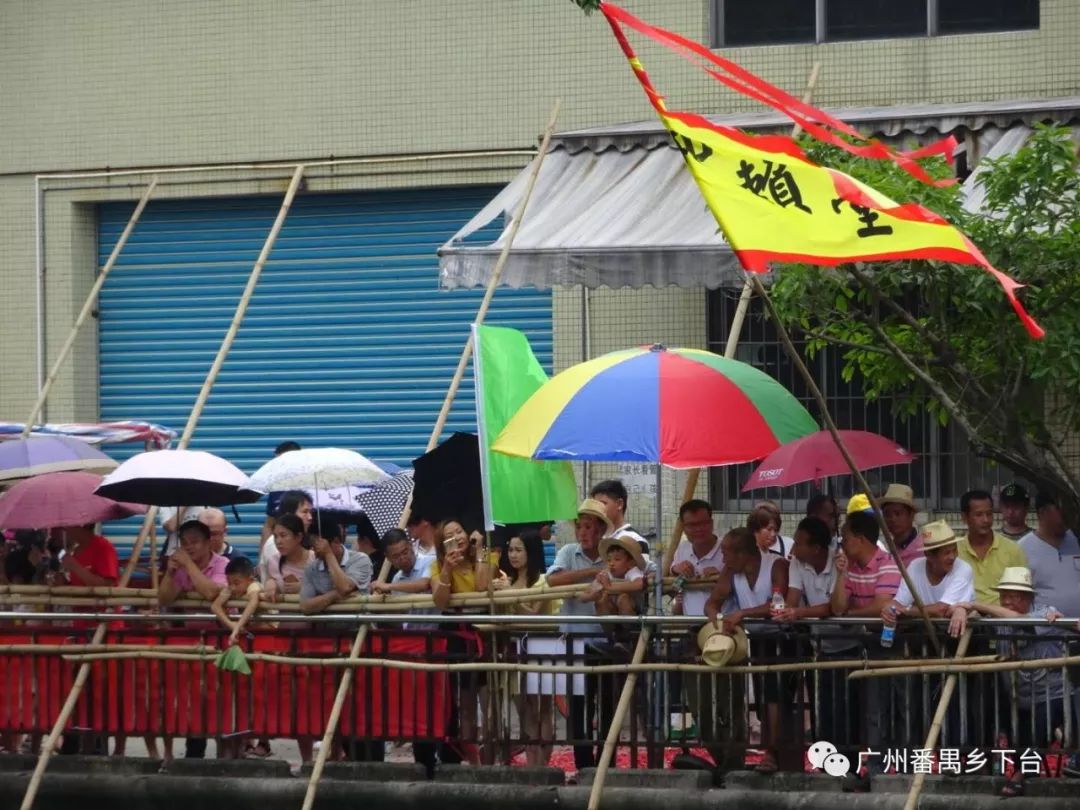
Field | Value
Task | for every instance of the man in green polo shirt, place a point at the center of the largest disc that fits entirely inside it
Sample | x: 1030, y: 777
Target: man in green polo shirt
x: 987, y: 552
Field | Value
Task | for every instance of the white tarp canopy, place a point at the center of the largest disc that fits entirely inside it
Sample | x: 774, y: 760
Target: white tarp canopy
x: 616, y: 207
x: 615, y: 219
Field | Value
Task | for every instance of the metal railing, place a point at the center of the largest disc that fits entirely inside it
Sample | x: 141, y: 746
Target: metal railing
x: 500, y: 686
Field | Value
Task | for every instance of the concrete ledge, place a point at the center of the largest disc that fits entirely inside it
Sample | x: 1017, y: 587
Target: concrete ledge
x: 896, y: 784
x: 499, y: 775
x: 80, y: 764
x: 370, y: 771
x: 231, y: 768
x: 61, y: 791
x: 644, y: 778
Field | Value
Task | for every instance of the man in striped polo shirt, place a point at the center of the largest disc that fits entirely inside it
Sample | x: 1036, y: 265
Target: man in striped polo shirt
x: 867, y: 579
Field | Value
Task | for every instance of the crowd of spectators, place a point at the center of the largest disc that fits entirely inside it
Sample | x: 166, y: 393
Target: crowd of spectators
x: 763, y: 581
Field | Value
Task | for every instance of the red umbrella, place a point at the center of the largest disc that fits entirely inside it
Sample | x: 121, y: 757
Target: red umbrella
x: 816, y: 456
x: 60, y: 499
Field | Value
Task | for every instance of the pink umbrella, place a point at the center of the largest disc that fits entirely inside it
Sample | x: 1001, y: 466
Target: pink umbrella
x: 60, y: 499
x: 816, y: 456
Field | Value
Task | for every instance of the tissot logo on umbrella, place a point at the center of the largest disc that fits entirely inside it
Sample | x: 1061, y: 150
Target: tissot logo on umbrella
x: 679, y: 407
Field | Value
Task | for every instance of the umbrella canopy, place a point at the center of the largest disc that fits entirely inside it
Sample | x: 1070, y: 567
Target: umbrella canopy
x: 447, y: 482
x: 318, y: 467
x: 384, y: 503
x: 678, y: 407
x: 178, y: 478
x: 817, y: 456
x: 60, y: 499
x: 23, y: 458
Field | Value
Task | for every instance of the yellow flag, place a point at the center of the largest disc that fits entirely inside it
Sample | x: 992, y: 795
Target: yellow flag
x: 775, y: 205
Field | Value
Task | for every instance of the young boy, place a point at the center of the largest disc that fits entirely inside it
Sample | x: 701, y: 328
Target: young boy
x: 620, y: 588
x: 240, y: 575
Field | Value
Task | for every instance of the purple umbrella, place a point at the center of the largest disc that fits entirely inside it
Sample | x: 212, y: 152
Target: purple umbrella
x: 23, y: 458
x: 60, y: 499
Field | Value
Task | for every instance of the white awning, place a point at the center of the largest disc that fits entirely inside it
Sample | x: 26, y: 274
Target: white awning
x: 615, y: 219
x: 616, y: 207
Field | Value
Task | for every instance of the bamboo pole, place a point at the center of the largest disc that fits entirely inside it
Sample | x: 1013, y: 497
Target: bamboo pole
x: 935, y: 725
x: 163, y: 653
x: 967, y: 669
x: 615, y: 728
x: 72, y: 649
x: 84, y: 670
x: 440, y: 423
x: 87, y: 307
x: 811, y: 383
x: 732, y: 345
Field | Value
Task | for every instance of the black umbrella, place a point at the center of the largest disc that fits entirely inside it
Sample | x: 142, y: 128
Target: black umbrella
x: 446, y: 482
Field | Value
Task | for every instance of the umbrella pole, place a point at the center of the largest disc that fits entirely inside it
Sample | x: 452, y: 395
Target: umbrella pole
x: 87, y: 307
x: 151, y: 514
x: 811, y: 383
x: 361, y: 635
x: 732, y: 345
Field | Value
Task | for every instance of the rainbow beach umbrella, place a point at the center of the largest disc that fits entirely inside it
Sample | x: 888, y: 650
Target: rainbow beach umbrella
x: 677, y: 407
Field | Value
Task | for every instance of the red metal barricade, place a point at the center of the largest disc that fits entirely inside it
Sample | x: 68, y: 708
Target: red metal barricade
x: 193, y: 698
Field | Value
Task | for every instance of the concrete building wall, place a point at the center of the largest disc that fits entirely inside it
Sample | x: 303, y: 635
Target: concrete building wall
x: 121, y: 84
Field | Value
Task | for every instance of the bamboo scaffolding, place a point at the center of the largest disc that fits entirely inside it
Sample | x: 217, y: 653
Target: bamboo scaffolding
x: 87, y: 308
x: 49, y: 745
x: 939, y: 718
x: 440, y: 423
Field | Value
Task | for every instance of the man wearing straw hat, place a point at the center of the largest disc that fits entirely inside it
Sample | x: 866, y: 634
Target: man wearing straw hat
x: 576, y: 564
x: 898, y: 510
x: 1039, y: 692
x: 943, y: 581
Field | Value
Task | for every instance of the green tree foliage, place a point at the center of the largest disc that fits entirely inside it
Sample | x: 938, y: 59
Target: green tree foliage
x: 588, y: 6
x: 942, y: 337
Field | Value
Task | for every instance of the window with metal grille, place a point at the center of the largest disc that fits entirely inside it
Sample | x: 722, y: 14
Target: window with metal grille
x: 873, y: 19
x: 973, y: 16
x: 772, y: 22
x: 944, y: 470
x: 764, y: 22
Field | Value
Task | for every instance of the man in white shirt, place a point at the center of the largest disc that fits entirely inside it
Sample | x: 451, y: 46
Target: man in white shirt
x: 942, y: 580
x: 696, y: 559
x: 811, y: 581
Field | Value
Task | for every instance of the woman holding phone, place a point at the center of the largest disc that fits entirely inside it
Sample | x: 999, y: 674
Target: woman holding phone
x: 459, y: 568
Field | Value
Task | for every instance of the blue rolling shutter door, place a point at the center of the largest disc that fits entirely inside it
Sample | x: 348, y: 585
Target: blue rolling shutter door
x: 347, y: 342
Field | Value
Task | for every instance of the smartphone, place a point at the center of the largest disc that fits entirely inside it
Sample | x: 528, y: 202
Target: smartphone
x: 449, y: 544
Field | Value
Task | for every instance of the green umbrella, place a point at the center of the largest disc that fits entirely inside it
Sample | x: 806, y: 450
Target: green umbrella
x: 233, y: 660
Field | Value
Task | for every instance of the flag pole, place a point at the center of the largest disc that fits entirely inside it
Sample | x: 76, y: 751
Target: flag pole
x: 732, y: 345
x: 811, y: 383
x: 440, y: 423
x: 193, y: 419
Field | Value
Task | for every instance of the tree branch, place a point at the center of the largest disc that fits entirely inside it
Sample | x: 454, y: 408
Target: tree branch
x: 946, y: 353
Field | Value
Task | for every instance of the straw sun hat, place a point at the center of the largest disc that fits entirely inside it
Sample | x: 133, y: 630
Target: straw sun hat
x: 593, y: 508
x: 718, y: 649
x: 627, y: 544
x: 1016, y: 578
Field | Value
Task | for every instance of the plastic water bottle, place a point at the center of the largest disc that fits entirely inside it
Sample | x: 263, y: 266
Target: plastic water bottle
x: 888, y: 631
x: 777, y: 603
